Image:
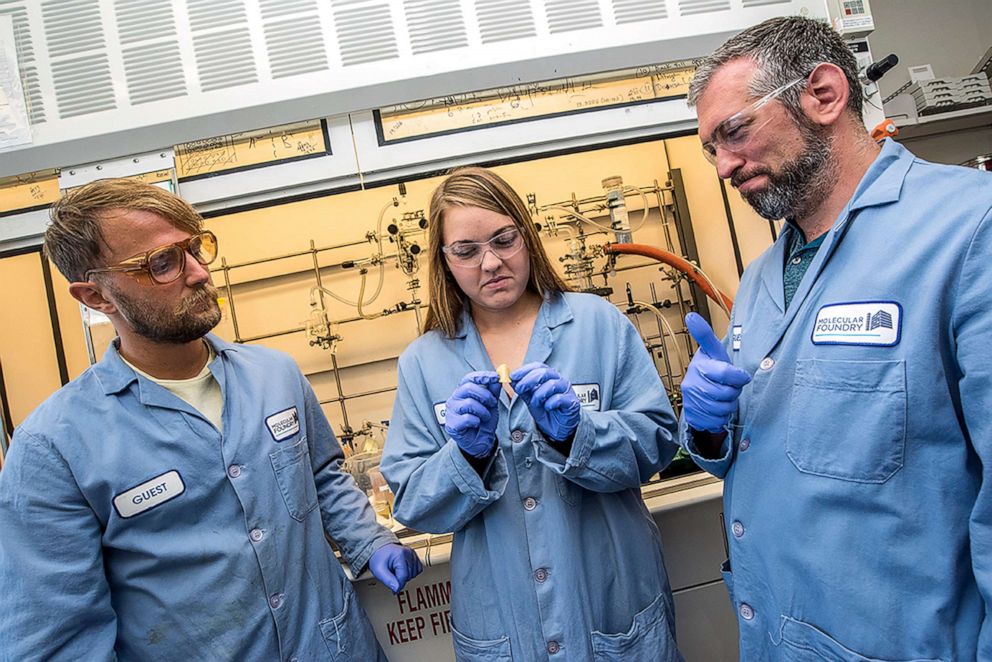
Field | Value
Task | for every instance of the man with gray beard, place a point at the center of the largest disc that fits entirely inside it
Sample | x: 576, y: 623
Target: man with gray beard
x: 172, y: 502
x: 849, y: 408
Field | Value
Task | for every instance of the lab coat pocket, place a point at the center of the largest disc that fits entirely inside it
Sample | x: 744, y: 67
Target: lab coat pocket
x: 295, y: 477
x: 807, y: 643
x: 349, y: 635
x: 480, y: 650
x: 649, y: 637
x: 847, y: 419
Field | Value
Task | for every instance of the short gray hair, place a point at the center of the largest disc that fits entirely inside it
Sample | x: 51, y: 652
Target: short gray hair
x: 784, y: 49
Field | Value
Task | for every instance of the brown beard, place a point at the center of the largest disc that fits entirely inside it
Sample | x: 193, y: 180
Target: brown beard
x: 185, y: 324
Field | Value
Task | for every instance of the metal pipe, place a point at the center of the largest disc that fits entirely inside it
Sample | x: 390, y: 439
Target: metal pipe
x: 297, y: 254
x: 362, y: 394
x: 341, y: 398
x: 230, y: 300
x: 664, y: 347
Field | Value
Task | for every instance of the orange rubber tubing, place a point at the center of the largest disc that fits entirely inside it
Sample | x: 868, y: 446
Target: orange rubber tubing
x: 672, y: 260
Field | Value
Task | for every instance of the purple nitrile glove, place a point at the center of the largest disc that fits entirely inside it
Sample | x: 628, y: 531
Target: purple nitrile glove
x: 550, y: 399
x: 712, y: 383
x: 394, y: 565
x: 472, y: 411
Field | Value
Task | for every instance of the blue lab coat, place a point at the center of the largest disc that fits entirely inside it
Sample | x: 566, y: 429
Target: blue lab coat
x: 130, y: 526
x: 553, y: 557
x: 858, y: 493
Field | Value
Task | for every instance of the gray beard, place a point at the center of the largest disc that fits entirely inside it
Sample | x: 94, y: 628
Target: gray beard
x: 800, y: 186
x: 182, y: 326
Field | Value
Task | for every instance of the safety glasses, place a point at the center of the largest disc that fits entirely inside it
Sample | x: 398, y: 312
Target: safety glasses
x: 504, y: 245
x: 736, y: 132
x: 165, y: 264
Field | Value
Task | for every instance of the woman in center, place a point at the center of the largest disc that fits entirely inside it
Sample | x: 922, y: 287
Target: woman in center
x: 555, y: 556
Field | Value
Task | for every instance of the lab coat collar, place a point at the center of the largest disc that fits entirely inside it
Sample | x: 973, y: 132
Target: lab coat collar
x: 554, y: 312
x: 115, y: 375
x: 882, y: 182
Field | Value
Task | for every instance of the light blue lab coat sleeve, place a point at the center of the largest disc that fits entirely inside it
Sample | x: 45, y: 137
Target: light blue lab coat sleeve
x: 56, y: 602
x: 972, y: 332
x: 345, y: 510
x: 718, y: 466
x: 634, y: 437
x: 436, y: 489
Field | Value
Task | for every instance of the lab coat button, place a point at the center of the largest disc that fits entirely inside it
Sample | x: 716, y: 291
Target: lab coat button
x: 747, y: 613
x: 745, y: 444
x: 530, y: 503
x: 796, y: 260
x: 553, y: 647
x: 767, y: 363
x: 738, y: 529
x: 541, y: 575
x: 256, y: 535
x: 517, y: 436
x: 234, y: 471
x: 275, y: 600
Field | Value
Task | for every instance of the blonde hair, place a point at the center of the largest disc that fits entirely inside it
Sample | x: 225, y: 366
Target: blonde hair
x: 74, y: 241
x: 482, y: 188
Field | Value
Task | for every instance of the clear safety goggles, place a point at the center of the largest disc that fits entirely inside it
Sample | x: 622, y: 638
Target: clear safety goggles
x: 734, y: 133
x: 503, y: 245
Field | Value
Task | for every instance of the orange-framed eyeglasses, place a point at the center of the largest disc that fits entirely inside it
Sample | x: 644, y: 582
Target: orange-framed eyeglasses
x: 165, y: 264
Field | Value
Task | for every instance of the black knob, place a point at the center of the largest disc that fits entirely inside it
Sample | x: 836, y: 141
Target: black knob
x: 876, y: 70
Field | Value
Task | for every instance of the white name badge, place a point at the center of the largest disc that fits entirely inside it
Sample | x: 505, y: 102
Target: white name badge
x: 149, y: 494
x: 284, y: 424
x: 877, y: 323
x: 439, y: 410
x: 588, y: 395
x: 736, y: 335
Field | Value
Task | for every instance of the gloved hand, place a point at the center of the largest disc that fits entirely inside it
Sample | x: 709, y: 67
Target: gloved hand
x: 550, y: 399
x: 472, y: 411
x: 394, y: 565
x: 712, y: 383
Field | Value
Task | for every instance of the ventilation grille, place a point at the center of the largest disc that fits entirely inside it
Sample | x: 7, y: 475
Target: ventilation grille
x: 72, y: 26
x: 79, y: 64
x: 30, y: 80
x: 280, y: 8
x: 154, y: 73
x: 634, y: 11
x: 693, y: 7
x: 206, y: 14
x: 83, y: 86
x: 224, y: 59
x: 295, y: 46
x: 435, y: 25
x: 153, y: 66
x: 140, y: 20
x: 500, y: 20
x: 365, y: 31
x: 568, y: 15
x: 148, y: 71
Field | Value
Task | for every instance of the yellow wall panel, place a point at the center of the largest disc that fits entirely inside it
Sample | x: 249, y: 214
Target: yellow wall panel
x: 709, y: 219
x: 27, y: 348
x: 70, y: 326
